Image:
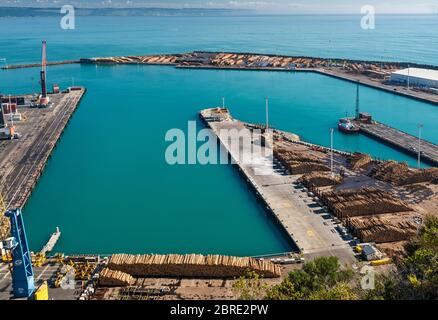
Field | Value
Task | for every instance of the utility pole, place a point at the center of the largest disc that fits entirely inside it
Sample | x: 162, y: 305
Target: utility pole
x: 419, y: 126
x: 10, y: 112
x: 331, y: 151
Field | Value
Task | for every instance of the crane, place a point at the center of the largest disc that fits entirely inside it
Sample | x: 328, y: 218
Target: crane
x: 23, y: 283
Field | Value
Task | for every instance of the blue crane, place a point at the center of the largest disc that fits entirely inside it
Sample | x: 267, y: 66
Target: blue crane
x: 23, y: 283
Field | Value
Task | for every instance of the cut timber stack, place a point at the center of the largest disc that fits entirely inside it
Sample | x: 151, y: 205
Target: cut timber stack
x: 359, y: 160
x: 114, y: 278
x: 350, y: 203
x: 191, y: 265
x: 400, y: 174
x: 380, y: 230
x: 319, y: 179
x: 297, y: 163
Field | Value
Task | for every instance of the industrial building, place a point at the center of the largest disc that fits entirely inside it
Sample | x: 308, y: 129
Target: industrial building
x: 416, y: 77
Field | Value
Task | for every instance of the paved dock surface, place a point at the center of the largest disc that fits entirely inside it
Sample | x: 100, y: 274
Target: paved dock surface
x: 23, y: 160
x: 402, y: 141
x: 47, y: 273
x: 304, y: 221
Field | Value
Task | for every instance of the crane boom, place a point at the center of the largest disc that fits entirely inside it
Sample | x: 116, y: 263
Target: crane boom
x: 43, y: 71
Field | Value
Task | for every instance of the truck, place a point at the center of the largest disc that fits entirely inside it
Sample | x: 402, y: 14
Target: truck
x: 7, y: 133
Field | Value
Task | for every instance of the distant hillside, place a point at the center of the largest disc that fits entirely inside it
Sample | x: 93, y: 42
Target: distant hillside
x: 123, y: 12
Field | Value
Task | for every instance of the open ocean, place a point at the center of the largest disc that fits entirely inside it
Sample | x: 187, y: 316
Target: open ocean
x: 107, y: 185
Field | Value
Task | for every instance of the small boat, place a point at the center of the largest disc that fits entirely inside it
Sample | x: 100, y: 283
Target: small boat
x: 347, y: 126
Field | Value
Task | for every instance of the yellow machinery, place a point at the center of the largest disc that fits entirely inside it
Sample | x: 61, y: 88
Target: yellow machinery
x: 42, y: 292
x: 38, y: 259
x: 7, y: 257
x: 380, y: 262
x: 83, y: 270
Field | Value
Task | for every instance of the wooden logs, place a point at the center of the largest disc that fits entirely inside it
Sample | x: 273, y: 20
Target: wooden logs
x: 191, y: 265
x: 114, y: 278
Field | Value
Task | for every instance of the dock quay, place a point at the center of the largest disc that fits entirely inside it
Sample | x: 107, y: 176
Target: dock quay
x: 293, y: 209
x: 23, y: 160
x: 48, y: 247
x: 401, y: 141
x: 374, y: 74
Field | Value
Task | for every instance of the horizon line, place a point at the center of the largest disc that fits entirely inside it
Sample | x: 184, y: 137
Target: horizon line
x: 258, y: 11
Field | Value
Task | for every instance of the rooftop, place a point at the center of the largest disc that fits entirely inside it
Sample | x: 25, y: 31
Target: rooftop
x: 419, y: 73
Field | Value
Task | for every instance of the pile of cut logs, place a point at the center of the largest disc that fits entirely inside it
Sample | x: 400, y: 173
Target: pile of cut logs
x: 400, y: 174
x: 350, y: 203
x: 114, y: 278
x: 191, y: 265
x: 380, y: 230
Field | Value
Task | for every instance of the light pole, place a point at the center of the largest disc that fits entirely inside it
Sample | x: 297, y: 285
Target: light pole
x: 267, y: 114
x: 409, y: 76
x: 419, y: 126
x: 331, y: 151
x: 223, y: 102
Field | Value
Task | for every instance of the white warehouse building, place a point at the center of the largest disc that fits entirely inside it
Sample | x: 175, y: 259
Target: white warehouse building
x: 424, y: 78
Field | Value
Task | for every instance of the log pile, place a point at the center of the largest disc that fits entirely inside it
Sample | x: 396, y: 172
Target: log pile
x: 319, y: 179
x: 298, y: 163
x: 361, y: 202
x: 191, y: 265
x: 159, y: 59
x: 359, y: 160
x: 381, y: 230
x: 400, y: 174
x: 114, y: 278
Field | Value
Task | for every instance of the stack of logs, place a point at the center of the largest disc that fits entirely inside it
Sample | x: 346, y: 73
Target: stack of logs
x: 400, y: 174
x: 350, y: 203
x: 114, y: 278
x: 359, y: 160
x: 319, y: 179
x: 379, y: 229
x: 191, y: 265
x: 297, y: 163
x: 157, y: 59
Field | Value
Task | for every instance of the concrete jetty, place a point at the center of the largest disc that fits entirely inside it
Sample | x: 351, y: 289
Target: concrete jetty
x: 402, y: 141
x: 24, y: 159
x: 292, y: 208
x: 48, y: 247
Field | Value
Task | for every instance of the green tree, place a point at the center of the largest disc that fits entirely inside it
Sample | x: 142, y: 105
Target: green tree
x: 317, y: 279
x: 250, y: 286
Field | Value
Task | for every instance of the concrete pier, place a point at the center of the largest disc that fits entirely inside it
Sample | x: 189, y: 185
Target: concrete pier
x: 401, y: 141
x: 23, y: 160
x: 292, y: 208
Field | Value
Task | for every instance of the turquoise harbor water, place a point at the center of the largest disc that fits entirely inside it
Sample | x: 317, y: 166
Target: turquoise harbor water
x: 107, y: 185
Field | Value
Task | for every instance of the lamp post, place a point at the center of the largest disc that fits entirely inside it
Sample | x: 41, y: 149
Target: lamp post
x: 223, y: 102
x: 267, y: 114
x: 419, y: 126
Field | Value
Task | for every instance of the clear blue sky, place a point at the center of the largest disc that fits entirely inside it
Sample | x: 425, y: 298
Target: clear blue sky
x: 280, y: 6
